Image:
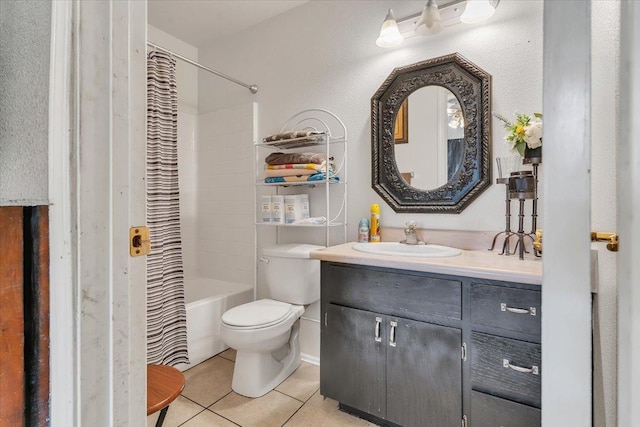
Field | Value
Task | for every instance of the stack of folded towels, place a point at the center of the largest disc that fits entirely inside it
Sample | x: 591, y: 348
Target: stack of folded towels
x: 298, y: 167
x: 299, y: 135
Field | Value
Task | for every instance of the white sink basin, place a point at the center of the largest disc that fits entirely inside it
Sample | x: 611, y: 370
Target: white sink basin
x: 401, y: 249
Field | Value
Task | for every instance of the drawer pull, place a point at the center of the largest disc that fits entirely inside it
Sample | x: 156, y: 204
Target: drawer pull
x: 532, y: 370
x: 378, y: 323
x: 530, y: 310
x: 392, y: 334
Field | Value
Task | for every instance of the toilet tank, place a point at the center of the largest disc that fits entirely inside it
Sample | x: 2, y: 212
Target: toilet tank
x: 291, y: 275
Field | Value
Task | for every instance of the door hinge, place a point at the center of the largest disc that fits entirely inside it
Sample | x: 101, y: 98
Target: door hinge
x: 139, y: 243
x: 325, y: 318
x: 463, y: 351
x: 464, y: 421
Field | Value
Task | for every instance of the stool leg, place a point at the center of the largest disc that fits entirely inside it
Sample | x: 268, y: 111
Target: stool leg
x: 163, y: 414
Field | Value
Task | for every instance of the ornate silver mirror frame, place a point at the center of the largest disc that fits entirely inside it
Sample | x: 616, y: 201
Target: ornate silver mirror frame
x: 472, y: 86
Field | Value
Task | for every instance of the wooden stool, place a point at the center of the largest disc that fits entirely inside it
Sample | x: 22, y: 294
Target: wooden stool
x: 164, y: 385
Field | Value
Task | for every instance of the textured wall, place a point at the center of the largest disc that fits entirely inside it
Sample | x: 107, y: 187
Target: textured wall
x: 323, y: 54
x: 25, y: 32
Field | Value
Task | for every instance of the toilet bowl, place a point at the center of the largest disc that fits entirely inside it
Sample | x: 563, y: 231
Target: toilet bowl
x: 264, y: 355
x: 265, y: 332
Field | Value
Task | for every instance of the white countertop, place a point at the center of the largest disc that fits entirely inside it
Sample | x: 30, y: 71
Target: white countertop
x: 482, y: 264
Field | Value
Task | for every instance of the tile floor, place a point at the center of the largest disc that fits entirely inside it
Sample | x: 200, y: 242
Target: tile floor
x: 208, y: 401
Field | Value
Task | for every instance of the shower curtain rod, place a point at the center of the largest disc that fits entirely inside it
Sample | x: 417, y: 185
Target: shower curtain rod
x: 252, y: 88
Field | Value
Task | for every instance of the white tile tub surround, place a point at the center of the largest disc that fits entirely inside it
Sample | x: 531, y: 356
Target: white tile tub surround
x: 226, y: 243
x: 207, y: 300
x: 188, y: 181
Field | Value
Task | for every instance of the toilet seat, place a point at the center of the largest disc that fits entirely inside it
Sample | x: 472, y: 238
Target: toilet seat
x: 257, y: 314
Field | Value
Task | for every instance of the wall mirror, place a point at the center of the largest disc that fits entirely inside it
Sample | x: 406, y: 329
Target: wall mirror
x: 430, y: 127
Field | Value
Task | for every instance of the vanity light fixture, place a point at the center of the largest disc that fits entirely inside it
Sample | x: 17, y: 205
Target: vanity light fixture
x: 477, y: 11
x: 429, y: 22
x: 433, y: 19
x: 389, y: 34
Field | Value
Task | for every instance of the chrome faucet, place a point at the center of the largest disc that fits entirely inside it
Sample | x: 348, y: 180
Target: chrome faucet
x: 411, y: 237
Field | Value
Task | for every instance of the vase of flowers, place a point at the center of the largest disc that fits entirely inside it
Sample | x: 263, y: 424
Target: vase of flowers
x: 525, y: 136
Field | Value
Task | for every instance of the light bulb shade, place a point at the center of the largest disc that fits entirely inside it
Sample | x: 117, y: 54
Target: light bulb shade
x: 476, y: 11
x: 389, y: 34
x: 429, y: 22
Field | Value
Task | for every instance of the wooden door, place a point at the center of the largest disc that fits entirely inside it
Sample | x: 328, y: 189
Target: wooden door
x: 424, y: 374
x: 353, y: 361
x: 11, y: 318
x: 24, y: 316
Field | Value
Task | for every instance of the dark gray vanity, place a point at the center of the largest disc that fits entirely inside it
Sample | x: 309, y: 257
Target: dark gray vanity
x: 413, y: 348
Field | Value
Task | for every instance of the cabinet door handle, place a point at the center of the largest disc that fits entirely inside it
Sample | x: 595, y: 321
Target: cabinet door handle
x: 392, y: 334
x: 532, y: 370
x: 377, y: 334
x: 530, y: 310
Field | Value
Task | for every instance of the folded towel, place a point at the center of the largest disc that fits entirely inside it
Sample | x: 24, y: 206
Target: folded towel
x: 312, y: 134
x: 318, y: 220
x: 290, y: 172
x: 285, y: 158
x: 300, y: 178
x: 313, y: 166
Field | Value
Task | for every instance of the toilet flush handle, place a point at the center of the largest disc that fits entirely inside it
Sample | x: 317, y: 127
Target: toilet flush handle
x: 265, y: 260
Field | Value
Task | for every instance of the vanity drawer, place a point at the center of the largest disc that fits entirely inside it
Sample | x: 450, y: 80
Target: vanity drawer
x: 491, y: 411
x: 403, y: 294
x: 506, y: 368
x: 511, y: 309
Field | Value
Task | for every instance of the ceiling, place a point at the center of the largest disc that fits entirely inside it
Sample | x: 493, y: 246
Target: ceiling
x: 202, y: 22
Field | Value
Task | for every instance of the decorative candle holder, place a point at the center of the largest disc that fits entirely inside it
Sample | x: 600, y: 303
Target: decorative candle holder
x: 534, y: 214
x: 506, y: 165
x: 507, y: 229
x: 522, y: 186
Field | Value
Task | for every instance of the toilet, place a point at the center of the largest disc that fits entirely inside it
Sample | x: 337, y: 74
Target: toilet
x: 265, y: 332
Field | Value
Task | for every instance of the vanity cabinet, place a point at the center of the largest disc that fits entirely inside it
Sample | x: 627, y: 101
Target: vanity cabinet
x: 391, y: 345
x: 419, y: 349
x: 505, y: 355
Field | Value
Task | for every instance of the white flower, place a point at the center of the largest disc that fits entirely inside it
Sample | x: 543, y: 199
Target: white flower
x: 533, y: 133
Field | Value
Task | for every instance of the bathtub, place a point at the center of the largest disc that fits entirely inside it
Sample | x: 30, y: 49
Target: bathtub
x: 206, y: 300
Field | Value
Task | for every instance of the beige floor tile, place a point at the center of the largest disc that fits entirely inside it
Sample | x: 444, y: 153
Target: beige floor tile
x: 271, y: 410
x: 302, y: 383
x: 320, y: 412
x: 179, y: 411
x: 229, y: 354
x: 208, y: 381
x: 208, y: 419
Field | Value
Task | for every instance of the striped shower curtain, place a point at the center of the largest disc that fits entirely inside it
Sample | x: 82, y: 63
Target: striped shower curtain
x: 166, y: 314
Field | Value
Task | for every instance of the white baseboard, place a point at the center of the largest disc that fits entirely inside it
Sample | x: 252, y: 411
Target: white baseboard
x: 310, y: 339
x: 310, y: 359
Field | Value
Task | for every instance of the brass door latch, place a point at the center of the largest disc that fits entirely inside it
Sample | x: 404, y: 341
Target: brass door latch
x: 139, y: 242
x: 612, y: 238
x: 596, y: 236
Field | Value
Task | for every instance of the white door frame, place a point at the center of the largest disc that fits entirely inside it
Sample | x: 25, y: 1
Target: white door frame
x: 96, y: 181
x: 63, y: 352
x: 628, y: 184
x: 566, y: 290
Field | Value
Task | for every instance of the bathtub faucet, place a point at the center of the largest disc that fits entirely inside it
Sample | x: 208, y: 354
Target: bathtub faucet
x: 411, y: 236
